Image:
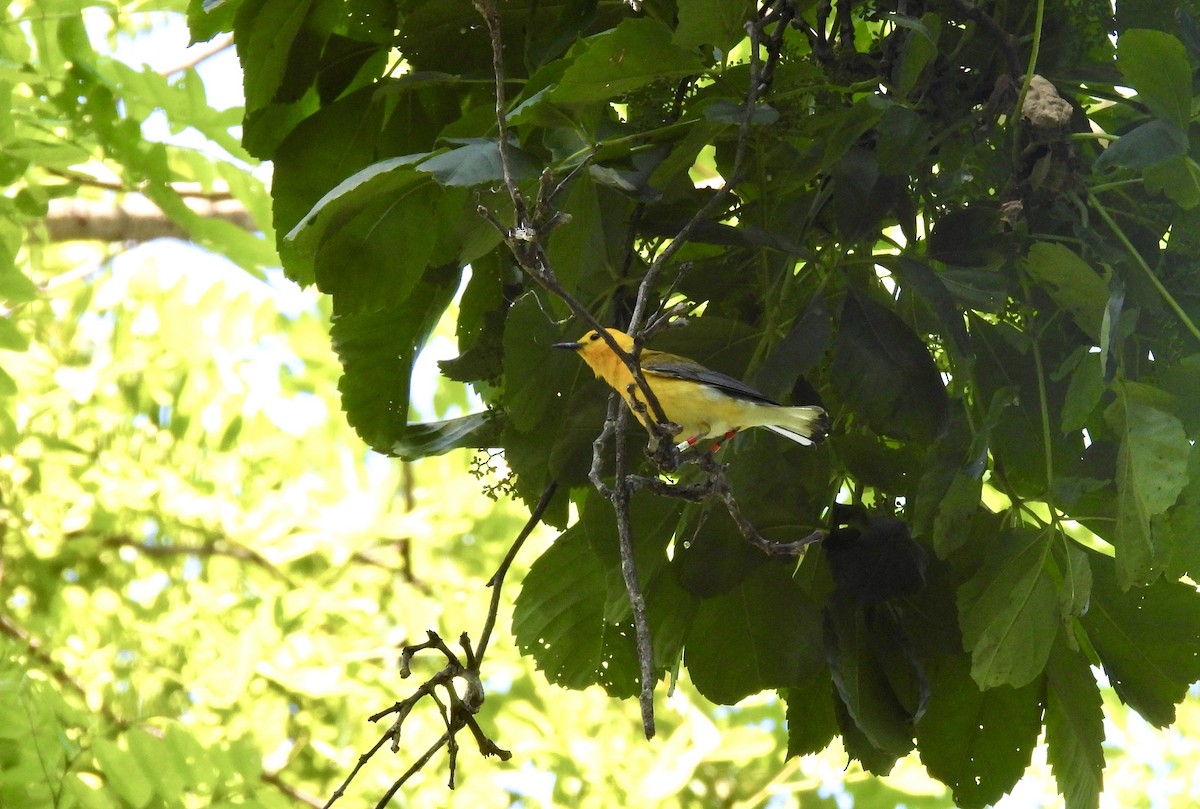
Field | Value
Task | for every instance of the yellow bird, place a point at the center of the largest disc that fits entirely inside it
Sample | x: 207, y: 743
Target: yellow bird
x: 701, y: 401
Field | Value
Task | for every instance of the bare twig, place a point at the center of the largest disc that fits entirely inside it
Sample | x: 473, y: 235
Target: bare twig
x: 496, y: 582
x: 221, y: 43
x: 295, y: 793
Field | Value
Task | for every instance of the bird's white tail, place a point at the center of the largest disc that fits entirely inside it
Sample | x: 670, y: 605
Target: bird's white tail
x: 804, y: 425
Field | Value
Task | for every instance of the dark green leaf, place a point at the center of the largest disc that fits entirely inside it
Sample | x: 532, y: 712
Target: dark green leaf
x: 719, y: 24
x: 861, y: 678
x: 884, y: 373
x: 363, y: 191
x: 977, y: 742
x: 377, y: 350
x: 267, y: 30
x: 803, y: 346
x: 858, y: 745
x: 966, y: 237
x: 1177, y: 177
x: 534, y: 372
x: 1147, y: 638
x: 1151, y: 472
x: 477, y: 163
x: 1008, y: 612
x: 1072, y: 283
x: 1083, y: 393
x: 632, y: 55
x: 477, y: 430
x: 377, y: 246
x: 1156, y: 65
x: 1074, y: 728
x: 902, y: 140
x: 811, y: 722
x: 558, y: 618
x: 341, y: 63
x: 763, y: 634
x: 918, y: 50
x: 1149, y: 145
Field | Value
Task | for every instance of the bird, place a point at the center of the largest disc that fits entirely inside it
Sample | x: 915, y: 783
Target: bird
x: 702, y: 402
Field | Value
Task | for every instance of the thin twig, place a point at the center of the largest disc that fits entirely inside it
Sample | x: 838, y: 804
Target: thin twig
x: 222, y: 43
x: 410, y: 772
x: 496, y: 582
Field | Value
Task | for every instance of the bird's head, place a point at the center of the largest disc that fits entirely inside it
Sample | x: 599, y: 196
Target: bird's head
x: 595, y: 350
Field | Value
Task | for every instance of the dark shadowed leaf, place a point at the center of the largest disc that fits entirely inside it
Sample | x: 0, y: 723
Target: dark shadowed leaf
x: 377, y: 350
x: 861, y: 679
x: 977, y: 742
x: 763, y: 634
x: 885, y: 374
x: 476, y: 430
x: 810, y: 718
x: 1148, y: 145
x: 1148, y: 640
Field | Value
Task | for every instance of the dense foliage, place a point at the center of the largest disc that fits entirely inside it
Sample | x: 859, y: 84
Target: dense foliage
x: 987, y: 280
x: 985, y: 276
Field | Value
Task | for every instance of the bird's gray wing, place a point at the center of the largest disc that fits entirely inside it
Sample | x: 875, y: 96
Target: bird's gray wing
x: 680, y: 368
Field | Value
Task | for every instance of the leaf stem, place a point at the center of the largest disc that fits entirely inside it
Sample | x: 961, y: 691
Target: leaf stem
x: 1033, y: 58
x: 1141, y: 262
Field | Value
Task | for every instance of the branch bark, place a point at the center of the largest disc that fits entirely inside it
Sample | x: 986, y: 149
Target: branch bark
x: 132, y: 218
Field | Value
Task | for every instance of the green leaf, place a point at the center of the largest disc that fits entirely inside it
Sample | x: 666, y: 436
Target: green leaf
x: 534, y: 373
x: 206, y: 18
x: 1156, y: 65
x: 1072, y: 283
x: 902, y: 140
x: 381, y: 248
x: 1147, y: 146
x: 811, y: 722
x: 476, y: 163
x: 377, y: 350
x: 1083, y: 393
x: 559, y: 613
x: 861, y: 679
x: 954, y: 510
x: 267, y: 30
x: 635, y: 53
x: 918, y: 50
x: 763, y: 634
x: 1008, y: 610
x: 1178, y: 177
x: 560, y: 620
x: 858, y: 745
x: 884, y: 373
x: 122, y: 771
x: 1147, y: 638
x: 719, y: 24
x: 476, y: 430
x: 1151, y: 472
x: 369, y: 200
x: 977, y: 742
x: 1074, y: 728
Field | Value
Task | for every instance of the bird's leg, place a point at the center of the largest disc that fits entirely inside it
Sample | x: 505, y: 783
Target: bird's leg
x: 720, y: 442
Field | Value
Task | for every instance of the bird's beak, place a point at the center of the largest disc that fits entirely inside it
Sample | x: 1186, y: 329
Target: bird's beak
x: 571, y: 346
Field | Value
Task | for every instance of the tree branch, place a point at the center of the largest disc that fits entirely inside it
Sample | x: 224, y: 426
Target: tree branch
x: 133, y: 218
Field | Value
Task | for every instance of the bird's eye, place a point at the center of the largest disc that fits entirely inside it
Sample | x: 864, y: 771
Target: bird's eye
x: 594, y: 336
